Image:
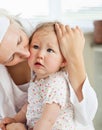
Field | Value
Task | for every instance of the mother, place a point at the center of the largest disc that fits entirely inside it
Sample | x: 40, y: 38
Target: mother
x: 13, y: 52
x: 15, y: 76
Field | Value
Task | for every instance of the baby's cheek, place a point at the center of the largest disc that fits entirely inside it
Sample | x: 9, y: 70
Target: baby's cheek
x: 29, y: 59
x: 31, y: 56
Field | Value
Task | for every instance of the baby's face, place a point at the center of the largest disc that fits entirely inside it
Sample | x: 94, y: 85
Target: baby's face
x: 14, y: 46
x: 45, y: 57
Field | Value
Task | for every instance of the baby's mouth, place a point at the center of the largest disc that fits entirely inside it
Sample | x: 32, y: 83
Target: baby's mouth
x: 38, y: 64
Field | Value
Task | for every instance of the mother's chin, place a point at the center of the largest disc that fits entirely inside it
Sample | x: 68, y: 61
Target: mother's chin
x: 16, y: 61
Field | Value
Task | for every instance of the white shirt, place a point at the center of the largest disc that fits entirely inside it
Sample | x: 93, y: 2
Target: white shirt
x: 86, y: 109
x: 12, y: 98
x: 53, y: 88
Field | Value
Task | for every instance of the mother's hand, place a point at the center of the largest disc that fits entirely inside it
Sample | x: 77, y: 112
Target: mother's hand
x: 71, y: 42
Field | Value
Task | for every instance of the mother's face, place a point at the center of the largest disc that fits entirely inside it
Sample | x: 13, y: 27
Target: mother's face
x: 14, y: 47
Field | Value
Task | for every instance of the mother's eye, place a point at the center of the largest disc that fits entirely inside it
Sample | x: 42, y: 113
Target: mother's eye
x: 35, y: 46
x: 19, y: 40
x: 10, y: 59
x: 50, y: 50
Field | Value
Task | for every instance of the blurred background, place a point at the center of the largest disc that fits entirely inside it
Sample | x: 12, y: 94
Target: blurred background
x: 72, y: 12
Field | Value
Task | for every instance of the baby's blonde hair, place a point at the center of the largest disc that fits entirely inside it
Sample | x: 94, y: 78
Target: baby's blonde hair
x: 45, y: 25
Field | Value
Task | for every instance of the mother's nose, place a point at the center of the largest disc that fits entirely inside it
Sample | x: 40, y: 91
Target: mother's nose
x: 24, y: 52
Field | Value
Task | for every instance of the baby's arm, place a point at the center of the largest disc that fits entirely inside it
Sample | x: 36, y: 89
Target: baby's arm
x: 19, y: 117
x: 72, y: 42
x: 48, y: 117
x: 16, y: 126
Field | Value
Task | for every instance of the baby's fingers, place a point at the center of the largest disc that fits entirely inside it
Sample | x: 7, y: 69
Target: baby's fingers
x: 8, y: 120
x: 2, y: 127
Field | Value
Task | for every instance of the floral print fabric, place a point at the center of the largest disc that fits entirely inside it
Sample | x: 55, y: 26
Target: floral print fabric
x: 52, y: 89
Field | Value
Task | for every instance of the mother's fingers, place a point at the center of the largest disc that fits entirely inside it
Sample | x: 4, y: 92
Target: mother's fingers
x: 81, y: 33
x: 63, y: 29
x: 68, y: 29
x: 58, y: 30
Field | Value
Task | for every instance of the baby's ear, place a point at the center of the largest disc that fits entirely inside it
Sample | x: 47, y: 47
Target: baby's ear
x: 64, y: 63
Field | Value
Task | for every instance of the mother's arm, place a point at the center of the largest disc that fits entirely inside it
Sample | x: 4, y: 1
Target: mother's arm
x: 83, y: 97
x: 72, y: 44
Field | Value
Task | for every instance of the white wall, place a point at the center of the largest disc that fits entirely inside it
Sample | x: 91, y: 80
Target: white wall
x: 88, y: 56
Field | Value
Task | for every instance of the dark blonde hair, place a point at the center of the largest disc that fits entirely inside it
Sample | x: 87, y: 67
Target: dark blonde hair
x: 45, y: 26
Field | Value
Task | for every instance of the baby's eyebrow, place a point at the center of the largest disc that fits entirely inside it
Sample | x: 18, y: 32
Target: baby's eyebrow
x: 51, y: 45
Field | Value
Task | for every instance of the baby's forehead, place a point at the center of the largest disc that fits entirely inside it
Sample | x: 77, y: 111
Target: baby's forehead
x: 46, y: 28
x: 44, y: 32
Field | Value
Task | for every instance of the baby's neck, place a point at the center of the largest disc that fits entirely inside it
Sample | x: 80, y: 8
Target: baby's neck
x: 39, y: 77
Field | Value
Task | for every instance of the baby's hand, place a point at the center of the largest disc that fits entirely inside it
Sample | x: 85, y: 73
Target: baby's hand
x: 6, y: 121
x: 71, y: 41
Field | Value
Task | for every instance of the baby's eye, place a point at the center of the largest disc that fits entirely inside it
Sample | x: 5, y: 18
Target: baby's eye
x: 50, y: 50
x: 35, y: 46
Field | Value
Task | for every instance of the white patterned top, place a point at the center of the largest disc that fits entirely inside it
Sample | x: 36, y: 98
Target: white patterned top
x: 52, y: 89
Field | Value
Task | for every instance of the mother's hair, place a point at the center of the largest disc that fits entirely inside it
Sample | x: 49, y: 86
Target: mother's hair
x: 23, y: 24
x: 12, y: 18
